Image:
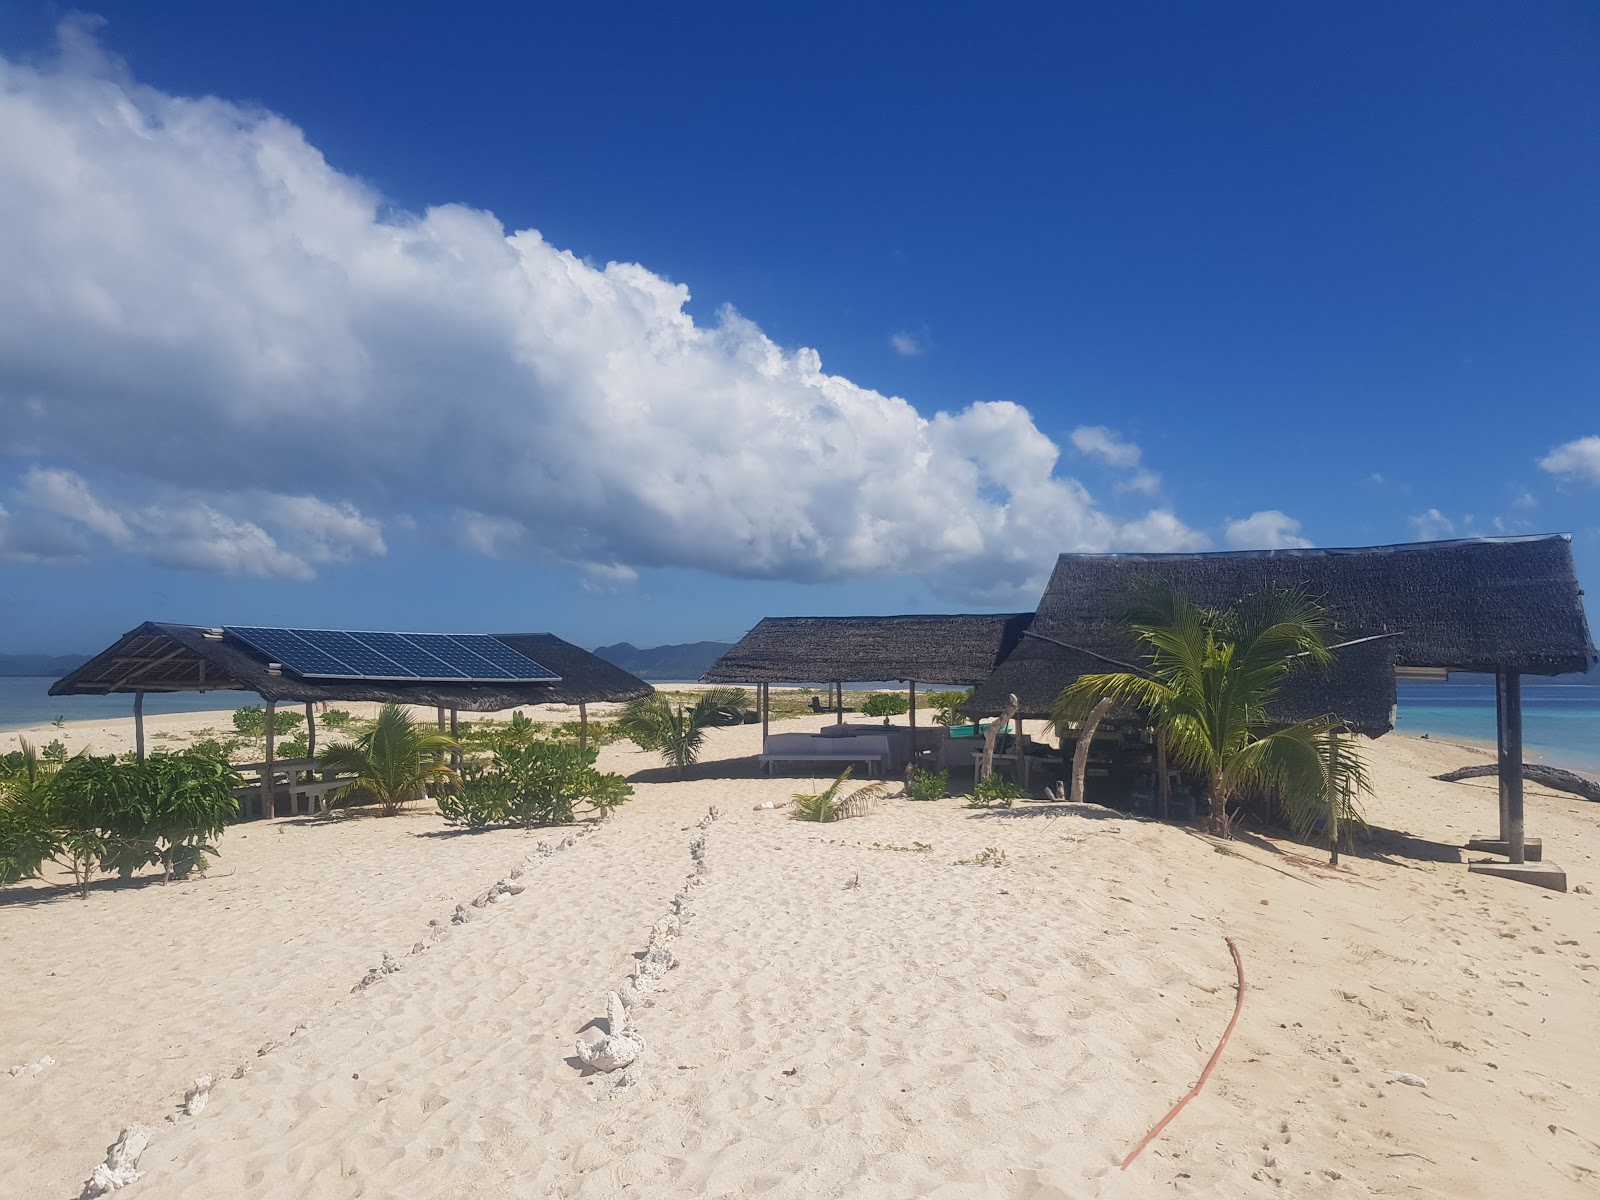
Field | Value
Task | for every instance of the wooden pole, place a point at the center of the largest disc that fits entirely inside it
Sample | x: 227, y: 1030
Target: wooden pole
x: 766, y: 709
x: 992, y: 735
x: 583, y: 724
x: 455, y: 732
x: 1333, y: 821
x: 138, y: 723
x: 441, y: 719
x: 1500, y: 753
x: 838, y: 704
x: 269, y: 790
x: 311, y: 730
x: 1511, y: 768
x: 911, y: 688
x: 1163, y: 783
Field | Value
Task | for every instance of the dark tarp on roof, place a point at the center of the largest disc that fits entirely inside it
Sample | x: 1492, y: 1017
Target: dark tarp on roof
x: 931, y: 649
x: 159, y: 657
x: 1483, y: 604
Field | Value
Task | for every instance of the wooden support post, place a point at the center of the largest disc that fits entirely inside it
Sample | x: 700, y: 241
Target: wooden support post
x: 583, y: 725
x: 311, y: 730
x: 911, y: 690
x: 455, y: 732
x: 269, y: 787
x: 838, y: 704
x: 138, y: 723
x: 1163, y: 783
x: 992, y: 735
x: 1500, y: 751
x: 441, y: 719
x: 1511, y: 764
x: 766, y: 709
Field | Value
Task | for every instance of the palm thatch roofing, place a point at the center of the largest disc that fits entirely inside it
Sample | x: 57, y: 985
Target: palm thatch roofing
x: 159, y: 657
x: 1481, y: 604
x: 928, y: 649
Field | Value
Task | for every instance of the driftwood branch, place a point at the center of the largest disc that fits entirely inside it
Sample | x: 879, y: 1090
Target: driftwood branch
x: 1550, y: 777
x: 992, y: 735
x: 1080, y: 756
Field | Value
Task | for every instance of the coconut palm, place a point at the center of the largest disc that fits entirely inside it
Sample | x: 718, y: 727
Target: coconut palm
x: 653, y: 723
x: 394, y: 762
x: 1210, y: 677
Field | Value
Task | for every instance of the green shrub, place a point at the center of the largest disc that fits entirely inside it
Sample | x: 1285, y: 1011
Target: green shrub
x: 996, y: 791
x: 336, y: 718
x: 296, y: 747
x: 928, y: 785
x: 211, y: 747
x: 537, y: 784
x: 653, y: 723
x: 251, y: 721
x: 54, y: 752
x: 885, y: 704
x: 945, y: 705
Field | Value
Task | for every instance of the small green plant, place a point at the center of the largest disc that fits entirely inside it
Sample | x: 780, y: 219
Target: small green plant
x: 885, y: 704
x: 831, y: 805
x: 946, y: 705
x: 537, y: 784
x: 61, y: 721
x: 336, y: 718
x: 996, y: 791
x: 989, y: 856
x: 927, y: 785
x: 296, y: 747
x: 251, y: 721
x: 211, y: 747
x: 914, y: 848
x: 652, y: 723
x: 54, y: 752
x: 394, y: 762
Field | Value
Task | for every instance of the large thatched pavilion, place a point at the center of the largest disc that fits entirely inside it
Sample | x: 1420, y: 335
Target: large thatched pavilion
x: 1508, y: 606
x: 163, y: 657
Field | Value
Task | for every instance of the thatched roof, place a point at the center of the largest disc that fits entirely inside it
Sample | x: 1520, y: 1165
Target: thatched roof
x: 1483, y: 604
x: 928, y: 649
x: 159, y: 657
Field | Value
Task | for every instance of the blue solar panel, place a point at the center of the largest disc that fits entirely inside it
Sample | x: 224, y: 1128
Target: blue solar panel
x: 286, y: 647
x: 399, y: 648
x: 503, y: 656
x: 340, y: 654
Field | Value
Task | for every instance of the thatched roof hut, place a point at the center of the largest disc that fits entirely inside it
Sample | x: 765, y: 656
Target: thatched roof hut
x: 160, y: 657
x: 960, y: 649
x: 1484, y: 604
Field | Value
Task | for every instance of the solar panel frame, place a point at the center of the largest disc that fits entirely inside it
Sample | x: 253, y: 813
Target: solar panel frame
x: 398, y: 657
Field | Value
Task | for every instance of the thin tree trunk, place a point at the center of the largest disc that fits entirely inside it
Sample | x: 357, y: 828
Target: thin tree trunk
x: 1080, y: 755
x: 1221, y: 824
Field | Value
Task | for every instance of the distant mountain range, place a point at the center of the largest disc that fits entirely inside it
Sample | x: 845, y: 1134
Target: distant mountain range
x: 688, y: 661
x: 53, y: 665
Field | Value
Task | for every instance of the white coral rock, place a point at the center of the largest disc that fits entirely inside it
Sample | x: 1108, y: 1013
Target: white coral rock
x: 195, y: 1099
x: 121, y: 1166
x: 33, y: 1068
x: 619, y: 1046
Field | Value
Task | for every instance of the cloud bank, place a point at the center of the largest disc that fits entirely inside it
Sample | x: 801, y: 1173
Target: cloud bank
x: 1575, y: 462
x: 193, y: 299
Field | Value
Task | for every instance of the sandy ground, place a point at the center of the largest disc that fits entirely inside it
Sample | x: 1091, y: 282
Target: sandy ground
x: 846, y: 1019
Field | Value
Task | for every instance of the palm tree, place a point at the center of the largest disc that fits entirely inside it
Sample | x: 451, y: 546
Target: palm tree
x: 395, y: 762
x: 1210, y: 678
x: 652, y: 723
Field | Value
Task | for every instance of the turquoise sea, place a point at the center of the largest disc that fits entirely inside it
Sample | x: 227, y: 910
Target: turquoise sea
x: 26, y: 701
x: 1560, y: 715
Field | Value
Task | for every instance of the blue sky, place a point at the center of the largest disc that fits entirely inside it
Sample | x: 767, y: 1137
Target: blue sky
x: 902, y: 303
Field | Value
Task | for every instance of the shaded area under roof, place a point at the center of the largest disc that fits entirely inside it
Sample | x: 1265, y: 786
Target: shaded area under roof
x: 158, y: 657
x: 960, y: 649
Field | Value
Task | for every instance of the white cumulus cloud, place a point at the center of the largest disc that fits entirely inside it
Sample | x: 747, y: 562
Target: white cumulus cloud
x: 1576, y: 461
x: 1267, y: 530
x: 1432, y: 526
x: 907, y: 345
x: 193, y: 299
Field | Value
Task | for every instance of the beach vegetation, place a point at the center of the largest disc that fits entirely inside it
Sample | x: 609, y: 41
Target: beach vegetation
x: 833, y: 804
x: 994, y: 791
x: 678, y: 731
x: 1209, y: 679
x: 989, y: 856
x: 393, y: 763
x: 54, y: 752
x: 946, y: 706
x: 885, y: 704
x: 336, y: 718
x: 927, y: 785
x: 296, y: 747
x: 540, y: 783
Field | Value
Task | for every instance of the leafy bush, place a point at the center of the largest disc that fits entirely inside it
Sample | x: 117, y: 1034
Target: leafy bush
x: 885, y: 704
x: 995, y: 791
x: 393, y: 762
x: 336, y: 718
x: 946, y: 704
x: 927, y: 785
x: 54, y: 752
x: 296, y: 747
x: 251, y: 721
x: 211, y: 747
x: 537, y: 784
x: 96, y: 813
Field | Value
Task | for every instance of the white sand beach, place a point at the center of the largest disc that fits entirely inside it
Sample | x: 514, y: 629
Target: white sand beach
x: 850, y: 1015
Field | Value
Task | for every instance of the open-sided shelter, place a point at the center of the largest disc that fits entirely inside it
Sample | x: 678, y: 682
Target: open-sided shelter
x: 1510, y: 606
x: 524, y: 668
x: 960, y: 649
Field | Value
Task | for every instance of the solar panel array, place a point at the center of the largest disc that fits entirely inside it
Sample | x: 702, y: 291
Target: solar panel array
x: 435, y: 657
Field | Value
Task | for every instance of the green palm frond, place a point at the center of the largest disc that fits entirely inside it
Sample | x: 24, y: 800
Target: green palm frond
x: 395, y: 761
